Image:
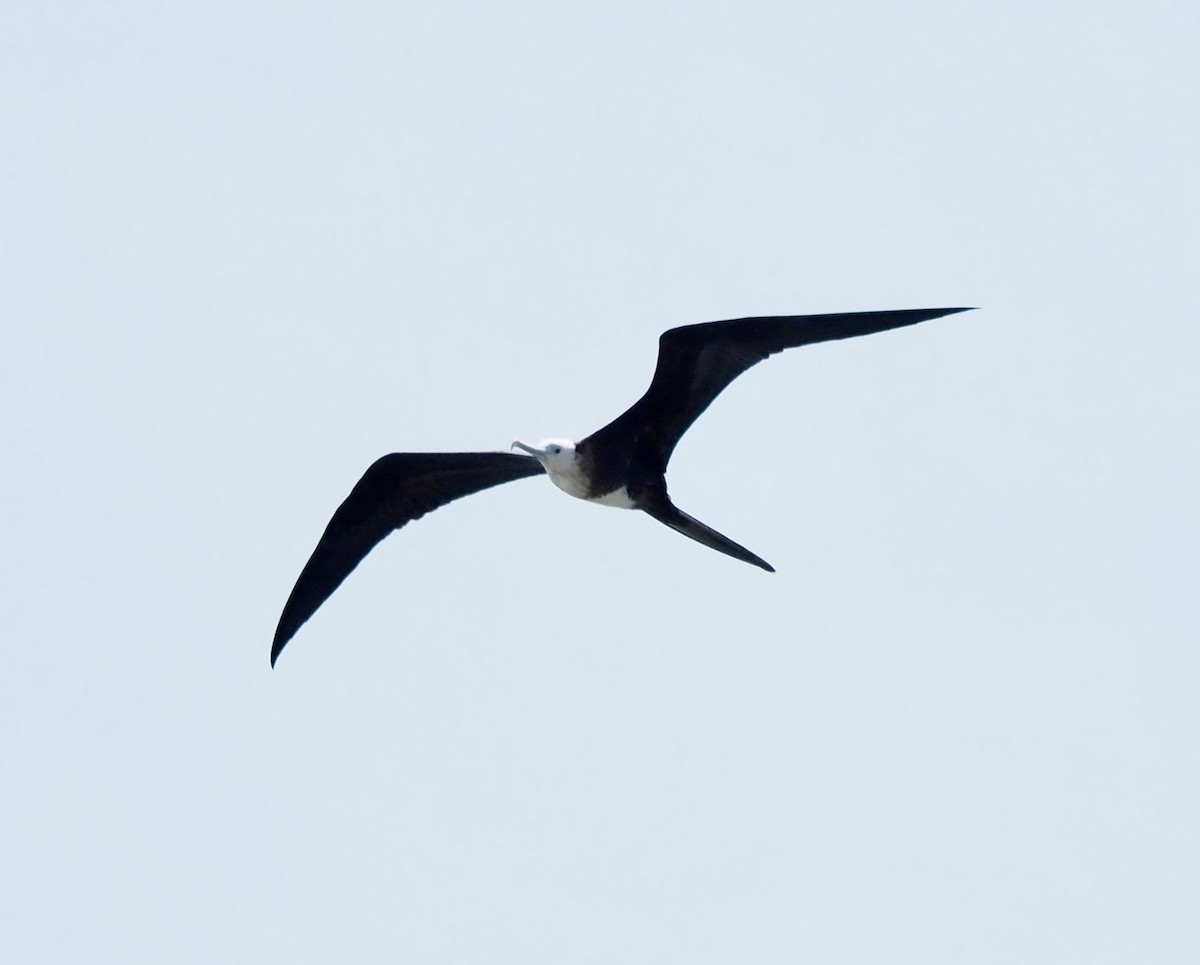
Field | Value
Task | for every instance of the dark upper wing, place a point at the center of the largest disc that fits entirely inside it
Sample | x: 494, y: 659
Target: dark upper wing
x: 396, y: 490
x: 697, y: 362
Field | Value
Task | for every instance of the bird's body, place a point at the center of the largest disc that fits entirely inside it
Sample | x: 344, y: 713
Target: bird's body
x: 623, y: 464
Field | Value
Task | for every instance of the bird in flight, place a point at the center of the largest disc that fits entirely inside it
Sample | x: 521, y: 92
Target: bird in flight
x: 624, y: 464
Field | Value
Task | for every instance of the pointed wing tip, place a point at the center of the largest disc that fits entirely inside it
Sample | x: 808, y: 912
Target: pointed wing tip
x: 277, y: 646
x: 927, y: 314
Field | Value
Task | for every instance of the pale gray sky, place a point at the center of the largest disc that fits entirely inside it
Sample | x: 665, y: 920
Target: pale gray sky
x: 245, y: 249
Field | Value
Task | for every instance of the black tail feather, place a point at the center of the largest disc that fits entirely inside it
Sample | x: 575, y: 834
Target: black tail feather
x: 670, y: 514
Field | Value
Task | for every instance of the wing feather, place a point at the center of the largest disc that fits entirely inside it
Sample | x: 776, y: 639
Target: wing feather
x: 394, y: 491
x: 697, y: 362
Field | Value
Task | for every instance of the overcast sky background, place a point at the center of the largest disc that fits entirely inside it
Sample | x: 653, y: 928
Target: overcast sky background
x: 245, y: 249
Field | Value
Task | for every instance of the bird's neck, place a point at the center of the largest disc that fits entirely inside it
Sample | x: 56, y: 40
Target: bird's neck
x: 568, y: 475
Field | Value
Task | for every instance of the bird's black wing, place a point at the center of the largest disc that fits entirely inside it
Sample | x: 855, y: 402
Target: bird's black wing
x: 396, y: 490
x: 697, y: 362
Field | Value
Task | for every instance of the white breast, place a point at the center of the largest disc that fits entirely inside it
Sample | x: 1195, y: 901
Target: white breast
x: 618, y: 497
x: 567, y: 477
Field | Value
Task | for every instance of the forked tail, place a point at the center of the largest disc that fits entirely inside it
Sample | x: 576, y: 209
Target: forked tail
x: 667, y: 512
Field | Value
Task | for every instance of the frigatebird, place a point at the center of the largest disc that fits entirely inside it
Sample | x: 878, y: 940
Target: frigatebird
x: 624, y: 464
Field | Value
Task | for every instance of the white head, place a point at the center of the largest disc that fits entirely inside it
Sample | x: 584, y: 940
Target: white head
x: 558, y: 456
